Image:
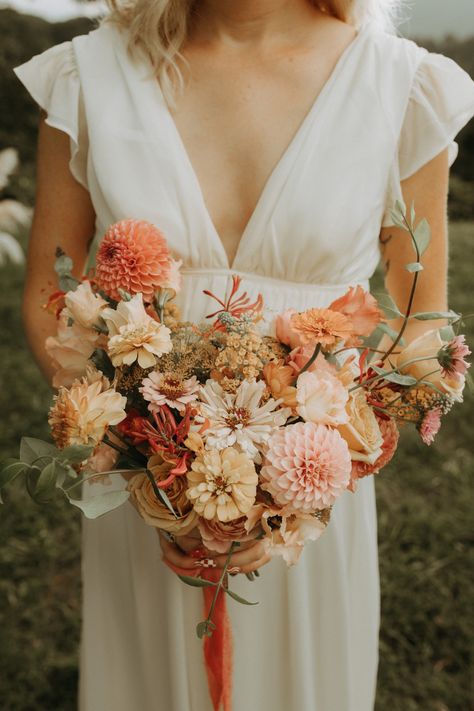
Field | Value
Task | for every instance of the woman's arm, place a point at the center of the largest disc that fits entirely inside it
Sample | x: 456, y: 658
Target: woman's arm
x: 63, y: 216
x: 428, y: 188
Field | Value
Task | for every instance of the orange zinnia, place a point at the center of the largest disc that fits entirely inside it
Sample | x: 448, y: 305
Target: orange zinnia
x: 321, y: 326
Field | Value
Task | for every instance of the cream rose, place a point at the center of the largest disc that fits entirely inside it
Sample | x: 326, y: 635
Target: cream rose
x: 321, y: 398
x: 362, y: 432
x: 426, y: 347
x: 84, y: 306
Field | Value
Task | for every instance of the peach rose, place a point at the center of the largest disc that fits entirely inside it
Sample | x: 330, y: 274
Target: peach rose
x: 219, y: 535
x: 321, y: 398
x: 299, y: 356
x: 70, y: 350
x: 362, y: 432
x: 285, y: 331
x: 426, y: 348
x: 279, y: 377
x: 153, y: 512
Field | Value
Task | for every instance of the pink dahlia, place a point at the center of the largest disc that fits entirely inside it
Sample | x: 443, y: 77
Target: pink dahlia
x: 391, y: 435
x: 133, y: 256
x: 307, y: 467
x: 430, y: 425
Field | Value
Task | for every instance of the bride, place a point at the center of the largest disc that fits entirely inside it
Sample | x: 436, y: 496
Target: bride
x: 267, y: 138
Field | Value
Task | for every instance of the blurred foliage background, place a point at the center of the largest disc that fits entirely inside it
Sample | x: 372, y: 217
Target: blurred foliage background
x: 425, y: 498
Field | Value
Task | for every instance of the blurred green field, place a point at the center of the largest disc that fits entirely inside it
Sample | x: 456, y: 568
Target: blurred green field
x: 424, y: 501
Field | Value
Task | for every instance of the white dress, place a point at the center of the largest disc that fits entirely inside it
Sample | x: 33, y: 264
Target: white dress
x: 388, y: 107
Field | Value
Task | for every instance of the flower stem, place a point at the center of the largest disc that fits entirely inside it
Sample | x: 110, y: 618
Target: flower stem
x: 309, y: 363
x: 220, y: 583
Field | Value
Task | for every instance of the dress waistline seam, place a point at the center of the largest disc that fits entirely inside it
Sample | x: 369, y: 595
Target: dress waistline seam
x: 252, y: 275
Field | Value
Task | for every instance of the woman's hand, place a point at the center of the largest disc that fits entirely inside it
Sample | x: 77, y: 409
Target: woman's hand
x: 250, y: 556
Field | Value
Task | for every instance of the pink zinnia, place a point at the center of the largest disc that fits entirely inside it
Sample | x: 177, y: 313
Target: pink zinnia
x: 430, y: 425
x: 307, y: 467
x: 451, y: 357
x: 133, y: 256
x: 391, y: 435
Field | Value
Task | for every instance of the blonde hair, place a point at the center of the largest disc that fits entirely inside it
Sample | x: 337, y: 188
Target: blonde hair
x: 158, y: 28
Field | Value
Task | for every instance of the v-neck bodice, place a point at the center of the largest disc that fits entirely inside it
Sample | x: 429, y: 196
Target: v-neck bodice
x: 279, y: 167
x: 387, y: 107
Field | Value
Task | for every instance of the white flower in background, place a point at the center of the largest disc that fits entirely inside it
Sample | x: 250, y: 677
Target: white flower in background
x: 238, y: 418
x: 134, y: 335
x: 85, y: 307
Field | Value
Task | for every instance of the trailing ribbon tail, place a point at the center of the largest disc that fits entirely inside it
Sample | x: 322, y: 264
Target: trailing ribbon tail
x: 218, y: 649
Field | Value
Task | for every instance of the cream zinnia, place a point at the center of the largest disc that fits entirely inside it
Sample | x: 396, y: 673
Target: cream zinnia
x: 134, y: 335
x: 238, y: 418
x: 222, y: 484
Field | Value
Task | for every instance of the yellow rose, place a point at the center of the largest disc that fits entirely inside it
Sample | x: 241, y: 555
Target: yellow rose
x: 362, y: 432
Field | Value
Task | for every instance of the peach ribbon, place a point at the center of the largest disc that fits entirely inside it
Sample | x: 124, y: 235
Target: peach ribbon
x: 218, y: 649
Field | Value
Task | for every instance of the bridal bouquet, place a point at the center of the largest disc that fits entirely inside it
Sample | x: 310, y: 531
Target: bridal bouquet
x: 234, y: 427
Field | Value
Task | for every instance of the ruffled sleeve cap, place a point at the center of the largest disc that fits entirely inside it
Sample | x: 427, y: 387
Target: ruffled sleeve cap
x: 53, y: 81
x: 441, y: 102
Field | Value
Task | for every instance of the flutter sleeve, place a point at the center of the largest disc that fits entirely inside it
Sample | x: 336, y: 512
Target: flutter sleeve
x: 441, y: 102
x: 53, y: 81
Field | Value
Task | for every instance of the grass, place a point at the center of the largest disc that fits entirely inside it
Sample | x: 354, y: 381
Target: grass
x: 424, y: 502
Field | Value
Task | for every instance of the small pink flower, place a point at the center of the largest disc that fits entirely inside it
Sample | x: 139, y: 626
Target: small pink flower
x: 391, y: 435
x: 219, y: 535
x: 133, y: 256
x: 430, y: 425
x: 451, y: 357
x: 168, y: 389
x: 307, y: 467
x: 300, y: 355
x: 361, y: 309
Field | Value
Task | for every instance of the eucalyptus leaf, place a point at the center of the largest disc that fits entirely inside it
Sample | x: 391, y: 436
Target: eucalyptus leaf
x: 414, y: 267
x: 196, y: 582
x: 32, y: 474
x: 412, y: 213
x: 396, y: 219
x: 101, y: 503
x: 400, y: 379
x: 236, y: 597
x: 124, y: 295
x: 46, y: 482
x: 76, y: 453
x: 388, y: 305
x: 401, y: 207
x: 447, y: 333
x: 63, y: 264
x: 205, y: 628
x: 422, y: 235
x: 385, y: 328
x: 433, y: 315
x: 32, y: 449
x: 10, y: 472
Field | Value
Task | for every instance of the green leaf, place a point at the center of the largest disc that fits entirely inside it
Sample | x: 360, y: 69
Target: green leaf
x: 11, y: 471
x: 46, y: 483
x: 401, y: 207
x: 385, y: 328
x: 32, y: 475
x: 396, y: 219
x: 196, y: 582
x: 429, y: 315
x: 76, y: 453
x: 63, y: 264
x: 124, y: 295
x: 447, y: 333
x: 388, y: 305
x: 412, y: 213
x: 205, y: 628
x: 101, y: 504
x: 414, y: 267
x: 400, y: 379
x: 236, y: 597
x: 68, y: 283
x: 422, y: 235
x: 32, y: 449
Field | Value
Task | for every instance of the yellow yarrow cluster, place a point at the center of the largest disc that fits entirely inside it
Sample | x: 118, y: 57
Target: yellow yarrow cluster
x: 244, y: 355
